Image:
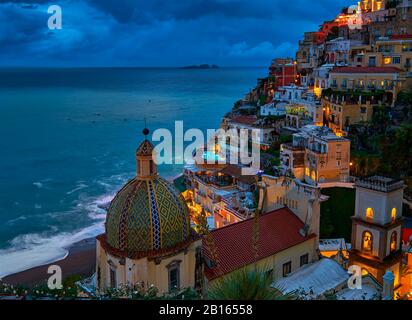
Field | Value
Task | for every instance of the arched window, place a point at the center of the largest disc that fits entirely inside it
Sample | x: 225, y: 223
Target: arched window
x: 369, y: 213
x: 365, y: 272
x: 394, y: 241
x: 393, y: 214
x: 313, y: 175
x: 367, y: 241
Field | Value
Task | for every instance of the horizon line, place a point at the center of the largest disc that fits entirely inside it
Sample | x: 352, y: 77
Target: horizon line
x: 186, y: 67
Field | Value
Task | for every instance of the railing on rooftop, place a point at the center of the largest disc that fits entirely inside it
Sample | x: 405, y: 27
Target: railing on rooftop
x: 379, y: 184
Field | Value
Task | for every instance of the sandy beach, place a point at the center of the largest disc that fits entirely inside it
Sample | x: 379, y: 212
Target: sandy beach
x: 81, y: 260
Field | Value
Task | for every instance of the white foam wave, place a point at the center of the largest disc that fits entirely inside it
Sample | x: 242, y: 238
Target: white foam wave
x: 79, y: 187
x: 38, y: 184
x: 41, y: 184
x: 31, y: 250
x: 97, y: 208
x: 35, y: 249
x: 13, y: 221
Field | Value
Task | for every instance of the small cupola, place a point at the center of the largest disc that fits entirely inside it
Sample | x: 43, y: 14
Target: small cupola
x: 146, y: 167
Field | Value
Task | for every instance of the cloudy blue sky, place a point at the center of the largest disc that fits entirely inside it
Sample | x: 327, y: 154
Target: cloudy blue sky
x: 158, y: 32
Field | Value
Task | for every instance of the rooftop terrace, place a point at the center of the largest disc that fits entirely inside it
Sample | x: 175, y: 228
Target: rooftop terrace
x: 380, y: 183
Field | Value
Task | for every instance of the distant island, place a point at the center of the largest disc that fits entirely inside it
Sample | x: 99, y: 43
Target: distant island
x: 202, y: 66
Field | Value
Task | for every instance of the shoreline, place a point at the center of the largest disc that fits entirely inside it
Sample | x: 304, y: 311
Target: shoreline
x: 80, y: 260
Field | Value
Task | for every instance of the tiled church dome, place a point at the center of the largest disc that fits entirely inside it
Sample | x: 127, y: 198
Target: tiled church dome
x: 148, y: 213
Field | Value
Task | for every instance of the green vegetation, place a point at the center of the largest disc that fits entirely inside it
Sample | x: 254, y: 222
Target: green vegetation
x: 246, y: 284
x: 200, y: 220
x: 286, y: 138
x: 262, y: 100
x: 397, y: 153
x: 404, y: 98
x: 354, y: 94
x: 69, y: 290
x: 272, y: 118
x: 270, y: 158
x: 391, y: 4
x: 379, y: 148
x: 336, y: 213
x: 152, y: 293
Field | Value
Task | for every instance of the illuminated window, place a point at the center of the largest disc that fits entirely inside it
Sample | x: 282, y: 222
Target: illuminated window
x: 393, y: 214
x: 365, y: 272
x: 307, y: 172
x: 369, y: 213
x: 367, y: 242
x: 378, y: 6
x: 313, y: 176
x: 394, y: 241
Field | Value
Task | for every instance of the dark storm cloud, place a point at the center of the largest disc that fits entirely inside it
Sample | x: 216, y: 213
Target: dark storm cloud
x: 158, y: 32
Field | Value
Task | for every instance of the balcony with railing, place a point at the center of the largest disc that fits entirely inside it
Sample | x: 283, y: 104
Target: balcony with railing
x: 360, y: 97
x: 219, y: 181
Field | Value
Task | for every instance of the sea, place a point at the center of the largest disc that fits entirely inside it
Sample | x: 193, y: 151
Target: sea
x: 68, y: 139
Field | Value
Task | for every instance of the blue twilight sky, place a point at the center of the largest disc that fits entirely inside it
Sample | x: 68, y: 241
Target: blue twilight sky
x: 158, y: 32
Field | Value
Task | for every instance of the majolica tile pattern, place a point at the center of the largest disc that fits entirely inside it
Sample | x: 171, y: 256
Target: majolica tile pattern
x: 147, y: 215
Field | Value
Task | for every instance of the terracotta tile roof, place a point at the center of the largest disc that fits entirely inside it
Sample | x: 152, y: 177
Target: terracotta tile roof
x: 278, y: 231
x: 366, y: 70
x: 247, y: 120
x: 402, y: 37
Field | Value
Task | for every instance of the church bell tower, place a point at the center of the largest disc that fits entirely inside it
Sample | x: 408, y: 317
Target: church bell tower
x: 376, y: 227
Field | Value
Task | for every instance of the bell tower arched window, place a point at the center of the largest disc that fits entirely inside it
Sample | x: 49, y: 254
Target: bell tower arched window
x: 394, y: 241
x: 393, y: 214
x: 369, y: 213
x: 367, y: 242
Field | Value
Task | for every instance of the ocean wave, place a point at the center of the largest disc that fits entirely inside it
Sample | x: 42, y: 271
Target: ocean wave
x: 97, y: 209
x: 79, y: 187
x: 13, y: 221
x: 31, y: 250
x: 41, y: 184
x: 38, y: 184
x: 34, y: 249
